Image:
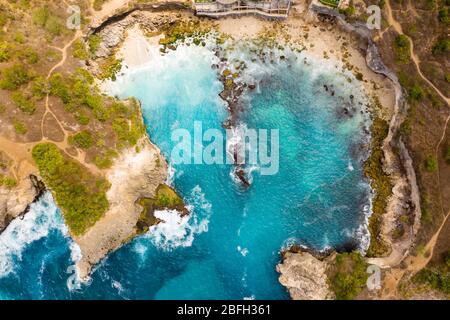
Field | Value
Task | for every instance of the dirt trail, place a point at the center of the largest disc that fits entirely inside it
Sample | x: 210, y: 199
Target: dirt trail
x: 398, y: 28
x: 415, y: 263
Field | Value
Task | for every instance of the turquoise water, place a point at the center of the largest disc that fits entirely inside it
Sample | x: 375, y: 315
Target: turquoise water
x: 229, y: 246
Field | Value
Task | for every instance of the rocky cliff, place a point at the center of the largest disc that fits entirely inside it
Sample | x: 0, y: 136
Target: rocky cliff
x: 304, y: 276
x: 15, y: 201
x: 136, y: 174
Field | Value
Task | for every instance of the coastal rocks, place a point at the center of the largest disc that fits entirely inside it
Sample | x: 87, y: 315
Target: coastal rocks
x: 304, y: 276
x: 135, y: 175
x: 113, y: 34
x: 15, y: 201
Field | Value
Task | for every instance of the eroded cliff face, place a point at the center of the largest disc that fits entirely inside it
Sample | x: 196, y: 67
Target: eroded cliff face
x: 304, y: 276
x: 137, y: 173
x: 15, y: 201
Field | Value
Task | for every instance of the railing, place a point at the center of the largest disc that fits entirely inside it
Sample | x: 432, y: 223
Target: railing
x: 264, y: 9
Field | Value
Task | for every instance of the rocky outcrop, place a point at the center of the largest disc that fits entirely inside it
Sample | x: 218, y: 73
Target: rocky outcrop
x: 136, y: 174
x: 113, y: 33
x: 305, y: 276
x: 16, y: 201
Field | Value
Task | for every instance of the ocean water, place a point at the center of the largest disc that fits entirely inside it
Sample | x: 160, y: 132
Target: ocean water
x: 230, y: 244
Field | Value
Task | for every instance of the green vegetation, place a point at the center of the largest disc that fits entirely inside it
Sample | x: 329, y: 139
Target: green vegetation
x: 110, y: 68
x: 416, y: 92
x: 79, y: 50
x: 127, y: 124
x: 437, y: 278
x: 25, y: 104
x: 443, y: 16
x: 380, y: 182
x: 82, y: 139
x: 80, y: 195
x: 105, y: 160
x: 431, y: 164
x: 165, y: 198
x: 331, y: 3
x: 94, y: 43
x: 14, y: 77
x: 8, y: 182
x: 348, y: 275
x: 442, y: 46
x: 98, y: 4
x: 402, y: 48
x: 39, y: 88
x: 47, y: 20
x: 447, y: 155
x: 20, y: 127
x: 28, y: 55
x: 5, y: 52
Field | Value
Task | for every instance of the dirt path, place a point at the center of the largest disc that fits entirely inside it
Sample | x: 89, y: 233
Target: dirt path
x: 414, y: 263
x: 398, y: 28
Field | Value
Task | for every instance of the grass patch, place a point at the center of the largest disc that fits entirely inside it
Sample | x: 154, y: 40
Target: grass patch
x: 80, y: 195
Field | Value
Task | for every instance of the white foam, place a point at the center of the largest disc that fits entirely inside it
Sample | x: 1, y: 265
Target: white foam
x: 176, y: 231
x: 243, y: 251
x: 35, y: 225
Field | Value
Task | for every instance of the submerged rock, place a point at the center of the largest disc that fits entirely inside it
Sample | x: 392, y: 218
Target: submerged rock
x: 304, y: 276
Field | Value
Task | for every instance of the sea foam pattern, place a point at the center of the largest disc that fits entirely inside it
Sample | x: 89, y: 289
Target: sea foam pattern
x: 36, y: 224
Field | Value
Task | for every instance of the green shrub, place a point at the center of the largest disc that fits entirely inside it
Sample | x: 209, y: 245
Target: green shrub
x: 47, y: 20
x: 58, y: 87
x: 29, y: 55
x: 20, y: 127
x: 431, y: 163
x: 79, y: 50
x: 416, y: 92
x: 94, y: 42
x: 442, y: 46
x: 402, y: 48
x: 25, y: 104
x: 80, y: 195
x: 5, y: 52
x: 447, y: 155
x: 349, y: 275
x: 39, y: 88
x: 40, y: 16
x: 82, y: 139
x: 14, y: 77
x: 8, y: 182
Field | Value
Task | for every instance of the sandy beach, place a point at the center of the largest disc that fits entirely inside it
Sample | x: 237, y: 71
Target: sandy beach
x: 321, y: 41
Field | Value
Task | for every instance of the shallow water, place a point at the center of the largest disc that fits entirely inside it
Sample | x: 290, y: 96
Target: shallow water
x: 229, y: 246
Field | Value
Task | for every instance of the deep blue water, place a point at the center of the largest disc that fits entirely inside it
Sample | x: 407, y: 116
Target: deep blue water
x: 228, y: 248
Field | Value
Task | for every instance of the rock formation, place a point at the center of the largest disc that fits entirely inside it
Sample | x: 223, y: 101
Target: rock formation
x: 15, y: 201
x: 304, y: 276
x: 136, y: 174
